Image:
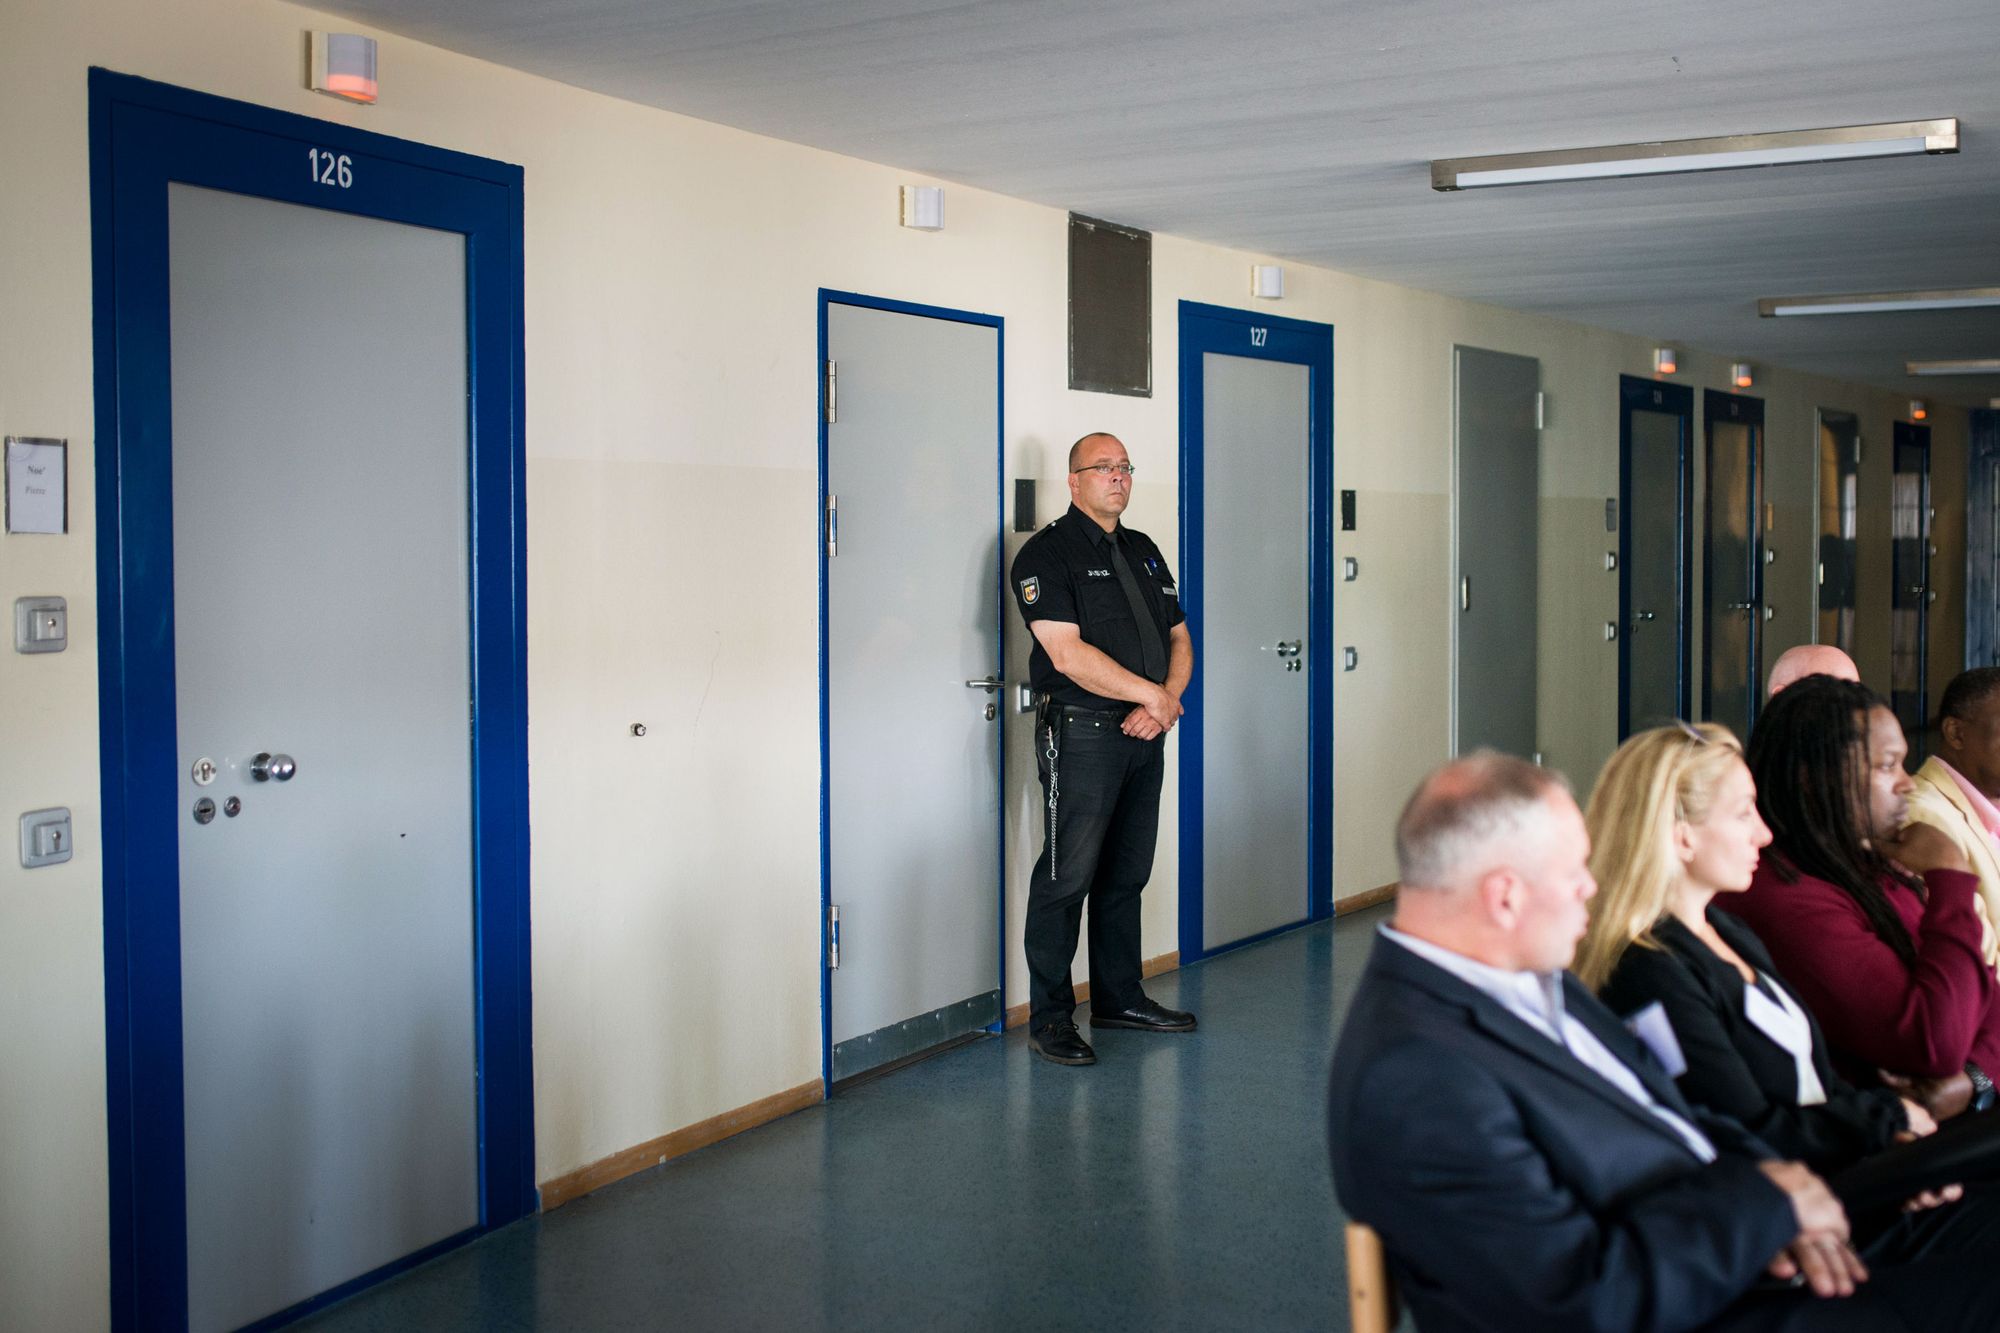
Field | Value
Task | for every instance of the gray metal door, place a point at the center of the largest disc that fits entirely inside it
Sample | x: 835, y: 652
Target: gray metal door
x: 1839, y: 528
x: 1256, y: 433
x: 1656, y: 521
x: 912, y: 635
x: 1911, y: 595
x: 1497, y: 485
x: 1732, y: 676
x: 320, y: 641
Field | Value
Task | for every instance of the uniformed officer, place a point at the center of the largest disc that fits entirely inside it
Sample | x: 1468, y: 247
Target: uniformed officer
x: 1111, y: 657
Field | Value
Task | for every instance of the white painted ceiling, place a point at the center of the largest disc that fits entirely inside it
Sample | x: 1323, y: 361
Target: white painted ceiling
x: 1304, y: 129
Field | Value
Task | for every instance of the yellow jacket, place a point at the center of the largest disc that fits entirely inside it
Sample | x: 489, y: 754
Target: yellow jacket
x: 1939, y: 802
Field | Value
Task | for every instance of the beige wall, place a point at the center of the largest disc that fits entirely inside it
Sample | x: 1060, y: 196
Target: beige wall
x: 672, y: 270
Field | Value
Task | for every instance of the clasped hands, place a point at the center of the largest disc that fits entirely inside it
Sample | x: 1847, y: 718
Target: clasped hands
x: 1822, y: 1253
x: 1155, y: 717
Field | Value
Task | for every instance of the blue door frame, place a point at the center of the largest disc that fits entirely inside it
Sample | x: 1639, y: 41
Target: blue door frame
x: 144, y: 135
x: 1639, y: 395
x: 1209, y: 328
x: 829, y: 297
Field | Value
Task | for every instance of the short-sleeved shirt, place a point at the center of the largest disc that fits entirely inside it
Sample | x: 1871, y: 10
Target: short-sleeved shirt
x: 1064, y: 572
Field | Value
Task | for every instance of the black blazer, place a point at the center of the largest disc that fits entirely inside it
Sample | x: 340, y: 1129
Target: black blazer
x: 1515, y: 1189
x: 1733, y: 1068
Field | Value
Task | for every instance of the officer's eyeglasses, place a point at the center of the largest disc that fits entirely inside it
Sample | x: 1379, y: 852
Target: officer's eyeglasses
x: 1124, y: 470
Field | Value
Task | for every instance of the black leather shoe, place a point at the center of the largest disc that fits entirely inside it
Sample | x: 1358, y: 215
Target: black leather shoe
x: 1062, y: 1043
x: 1147, y: 1016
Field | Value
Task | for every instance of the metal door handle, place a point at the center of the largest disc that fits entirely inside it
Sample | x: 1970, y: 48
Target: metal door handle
x: 1638, y: 616
x: 1741, y: 606
x: 990, y: 684
x: 268, y: 767
x: 1290, y: 648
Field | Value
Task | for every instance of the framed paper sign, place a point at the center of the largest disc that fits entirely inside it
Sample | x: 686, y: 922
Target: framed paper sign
x: 37, y: 485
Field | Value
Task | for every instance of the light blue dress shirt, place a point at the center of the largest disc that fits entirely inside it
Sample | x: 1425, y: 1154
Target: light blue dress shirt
x: 1537, y: 1000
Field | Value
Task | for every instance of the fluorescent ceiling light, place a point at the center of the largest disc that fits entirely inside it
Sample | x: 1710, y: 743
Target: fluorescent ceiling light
x: 1719, y: 154
x: 1988, y: 366
x: 1876, y: 303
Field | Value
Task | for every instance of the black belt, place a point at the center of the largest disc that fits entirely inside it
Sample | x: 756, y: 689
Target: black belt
x: 1077, y: 710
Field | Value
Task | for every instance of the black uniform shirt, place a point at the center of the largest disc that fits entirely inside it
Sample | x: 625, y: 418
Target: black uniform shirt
x: 1064, y: 572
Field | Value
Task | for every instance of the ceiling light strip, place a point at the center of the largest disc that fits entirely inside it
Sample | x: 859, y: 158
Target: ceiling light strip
x: 1879, y: 303
x: 1725, y: 153
x: 1987, y: 366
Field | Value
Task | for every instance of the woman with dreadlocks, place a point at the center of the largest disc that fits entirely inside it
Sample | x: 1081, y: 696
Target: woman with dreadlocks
x: 1871, y: 922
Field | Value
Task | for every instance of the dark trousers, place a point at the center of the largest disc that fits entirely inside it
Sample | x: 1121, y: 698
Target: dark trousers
x: 1107, y: 819
x: 1931, y: 1272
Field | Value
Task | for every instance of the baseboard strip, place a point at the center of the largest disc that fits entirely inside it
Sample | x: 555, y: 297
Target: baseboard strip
x: 576, y: 1184
x: 1152, y: 967
x: 1354, y: 902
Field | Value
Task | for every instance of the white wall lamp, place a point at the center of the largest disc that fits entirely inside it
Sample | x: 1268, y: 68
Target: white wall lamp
x: 1267, y: 281
x: 1986, y: 366
x: 1918, y: 410
x: 1878, y: 303
x: 1665, y: 362
x: 923, y: 207
x: 343, y: 66
x: 1668, y: 156
x: 1740, y: 376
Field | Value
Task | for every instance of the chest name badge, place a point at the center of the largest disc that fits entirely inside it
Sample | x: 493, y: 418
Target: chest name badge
x: 1031, y: 590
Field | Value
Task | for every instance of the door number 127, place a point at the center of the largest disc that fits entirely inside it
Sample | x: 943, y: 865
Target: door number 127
x: 1257, y: 336
x: 330, y: 170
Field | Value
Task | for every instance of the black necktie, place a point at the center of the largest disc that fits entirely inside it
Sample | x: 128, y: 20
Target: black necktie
x: 1152, y: 653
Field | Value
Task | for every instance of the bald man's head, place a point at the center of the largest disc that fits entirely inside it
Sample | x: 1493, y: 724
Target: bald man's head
x: 1809, y: 659
x: 1465, y: 813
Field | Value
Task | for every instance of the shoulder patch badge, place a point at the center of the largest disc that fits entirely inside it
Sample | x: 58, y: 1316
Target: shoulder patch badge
x: 1031, y: 590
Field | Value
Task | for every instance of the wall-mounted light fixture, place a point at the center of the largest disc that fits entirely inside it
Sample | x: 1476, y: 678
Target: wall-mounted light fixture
x: 1667, y: 156
x: 1267, y: 281
x: 1918, y: 411
x: 1740, y: 376
x: 1878, y: 303
x: 923, y: 207
x: 1665, y: 362
x: 343, y: 66
x: 1983, y: 366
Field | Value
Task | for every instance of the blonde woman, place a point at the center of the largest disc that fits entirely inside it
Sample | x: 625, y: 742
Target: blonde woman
x: 1673, y: 824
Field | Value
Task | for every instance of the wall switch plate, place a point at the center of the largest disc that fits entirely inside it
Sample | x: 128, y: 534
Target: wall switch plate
x: 1349, y: 659
x: 41, y: 624
x: 1350, y: 569
x: 45, y: 837
x: 1347, y: 511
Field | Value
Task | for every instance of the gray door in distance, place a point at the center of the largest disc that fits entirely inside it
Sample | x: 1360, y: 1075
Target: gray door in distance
x: 912, y: 642
x: 1839, y: 528
x: 1656, y: 525
x: 1497, y: 485
x: 320, y: 623
x: 1732, y: 679
x: 1256, y: 437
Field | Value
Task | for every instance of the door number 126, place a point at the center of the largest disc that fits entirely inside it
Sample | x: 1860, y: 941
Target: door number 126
x: 330, y: 170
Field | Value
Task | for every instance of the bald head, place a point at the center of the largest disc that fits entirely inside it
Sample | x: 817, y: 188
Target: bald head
x: 1468, y: 815
x: 1078, y: 450
x: 1809, y: 659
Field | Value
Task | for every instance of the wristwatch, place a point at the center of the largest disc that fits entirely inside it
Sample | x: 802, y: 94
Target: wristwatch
x: 1983, y: 1094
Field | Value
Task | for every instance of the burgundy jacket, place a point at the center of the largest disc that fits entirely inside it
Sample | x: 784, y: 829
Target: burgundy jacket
x: 1876, y: 1011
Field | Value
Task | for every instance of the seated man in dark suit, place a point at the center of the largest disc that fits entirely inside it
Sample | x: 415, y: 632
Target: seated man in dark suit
x: 1525, y: 1162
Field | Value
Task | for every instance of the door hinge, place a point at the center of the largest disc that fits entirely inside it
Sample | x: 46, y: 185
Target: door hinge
x: 832, y: 526
x: 832, y: 935
x: 832, y: 392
